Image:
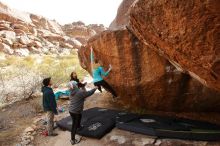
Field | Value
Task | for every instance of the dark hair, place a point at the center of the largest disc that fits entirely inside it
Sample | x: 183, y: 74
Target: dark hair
x: 73, y: 78
x: 46, y: 81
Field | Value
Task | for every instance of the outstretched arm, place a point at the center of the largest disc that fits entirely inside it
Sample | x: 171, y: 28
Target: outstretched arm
x: 91, y: 57
x: 90, y: 92
x: 85, y: 94
x: 103, y: 73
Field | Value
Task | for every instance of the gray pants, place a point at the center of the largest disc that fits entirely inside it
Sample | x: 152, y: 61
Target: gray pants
x: 50, y: 122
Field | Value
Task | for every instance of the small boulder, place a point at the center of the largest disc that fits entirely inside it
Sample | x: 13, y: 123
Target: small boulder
x: 6, y: 49
x: 24, y: 40
x: 8, y: 34
x: 7, y: 41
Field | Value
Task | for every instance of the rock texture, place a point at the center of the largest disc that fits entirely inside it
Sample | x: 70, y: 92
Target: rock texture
x: 82, y: 32
x: 144, y: 79
x: 43, y: 23
x: 149, y: 68
x: 23, y: 33
x: 187, y: 33
x: 122, y: 18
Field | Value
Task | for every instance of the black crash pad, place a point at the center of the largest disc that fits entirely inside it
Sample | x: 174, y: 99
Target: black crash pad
x: 168, y: 127
x: 96, y: 122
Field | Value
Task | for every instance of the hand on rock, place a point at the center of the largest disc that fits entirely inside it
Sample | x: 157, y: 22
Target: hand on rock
x: 110, y: 67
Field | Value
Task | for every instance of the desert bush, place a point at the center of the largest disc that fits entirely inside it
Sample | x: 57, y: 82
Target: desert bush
x: 59, y: 68
x: 9, y: 61
x: 19, y: 85
x: 20, y: 77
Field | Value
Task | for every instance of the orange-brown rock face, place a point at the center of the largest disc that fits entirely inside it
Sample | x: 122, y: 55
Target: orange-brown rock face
x: 123, y: 13
x: 143, y: 79
x: 187, y: 33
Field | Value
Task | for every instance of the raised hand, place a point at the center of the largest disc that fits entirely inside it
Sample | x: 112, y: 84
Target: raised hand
x: 110, y: 67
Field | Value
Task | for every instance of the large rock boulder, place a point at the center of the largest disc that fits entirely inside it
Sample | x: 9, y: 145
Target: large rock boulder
x: 21, y: 27
x: 49, y: 36
x: 43, y: 23
x: 144, y: 79
x: 29, y: 31
x: 187, y: 33
x: 13, y: 15
x: 122, y: 18
x: 78, y: 31
x: 97, y: 27
x: 75, y: 43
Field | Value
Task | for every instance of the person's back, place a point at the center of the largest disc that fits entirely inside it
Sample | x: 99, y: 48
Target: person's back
x: 73, y: 88
x: 77, y: 99
x: 76, y: 102
x: 98, y: 74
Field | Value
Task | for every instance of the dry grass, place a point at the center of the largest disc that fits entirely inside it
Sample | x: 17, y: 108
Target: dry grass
x: 15, y: 73
x: 26, y: 73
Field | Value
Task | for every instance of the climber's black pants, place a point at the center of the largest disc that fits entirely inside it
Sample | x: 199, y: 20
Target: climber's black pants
x: 106, y: 86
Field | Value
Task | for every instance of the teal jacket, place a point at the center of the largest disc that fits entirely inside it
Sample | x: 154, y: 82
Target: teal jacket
x: 49, y: 101
x: 98, y: 73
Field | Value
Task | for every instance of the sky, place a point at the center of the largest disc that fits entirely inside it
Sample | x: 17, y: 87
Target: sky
x: 68, y: 11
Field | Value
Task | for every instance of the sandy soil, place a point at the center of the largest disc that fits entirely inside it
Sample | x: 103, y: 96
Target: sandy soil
x: 14, y: 119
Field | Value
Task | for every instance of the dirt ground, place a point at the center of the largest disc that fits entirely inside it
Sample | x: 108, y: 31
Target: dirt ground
x: 15, y: 118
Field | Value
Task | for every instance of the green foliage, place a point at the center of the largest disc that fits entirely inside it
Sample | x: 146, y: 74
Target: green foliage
x: 60, y: 68
x: 57, y: 67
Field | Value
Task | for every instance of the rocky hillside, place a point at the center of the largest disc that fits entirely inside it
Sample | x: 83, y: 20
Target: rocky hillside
x: 23, y: 33
x: 82, y: 32
x: 165, y: 54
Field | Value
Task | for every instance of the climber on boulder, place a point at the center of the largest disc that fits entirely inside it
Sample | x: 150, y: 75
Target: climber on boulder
x: 98, y: 73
